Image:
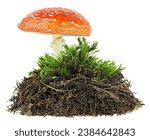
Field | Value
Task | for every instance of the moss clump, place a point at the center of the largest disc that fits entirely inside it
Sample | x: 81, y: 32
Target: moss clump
x: 77, y: 60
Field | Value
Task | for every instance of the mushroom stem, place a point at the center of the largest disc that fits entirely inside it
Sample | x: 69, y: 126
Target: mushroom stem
x: 57, y: 44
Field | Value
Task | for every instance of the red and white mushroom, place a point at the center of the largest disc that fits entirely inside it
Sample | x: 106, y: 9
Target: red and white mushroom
x: 56, y: 21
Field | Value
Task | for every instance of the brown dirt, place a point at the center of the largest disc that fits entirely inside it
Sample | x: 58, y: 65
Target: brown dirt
x: 76, y: 96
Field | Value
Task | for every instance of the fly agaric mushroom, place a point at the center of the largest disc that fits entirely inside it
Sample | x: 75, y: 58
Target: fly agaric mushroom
x: 56, y: 21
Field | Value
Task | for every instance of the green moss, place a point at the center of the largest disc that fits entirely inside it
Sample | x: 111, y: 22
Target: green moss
x: 75, y: 60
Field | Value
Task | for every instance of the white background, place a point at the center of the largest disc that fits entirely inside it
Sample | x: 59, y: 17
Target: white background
x: 122, y: 28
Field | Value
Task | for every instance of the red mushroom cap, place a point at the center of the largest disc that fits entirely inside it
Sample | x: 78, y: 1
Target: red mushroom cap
x: 56, y: 21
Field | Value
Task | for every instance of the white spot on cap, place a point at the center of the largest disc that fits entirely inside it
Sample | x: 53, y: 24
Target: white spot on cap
x: 63, y: 23
x: 52, y: 13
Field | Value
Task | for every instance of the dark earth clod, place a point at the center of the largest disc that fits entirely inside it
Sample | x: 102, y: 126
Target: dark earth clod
x: 75, y: 96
